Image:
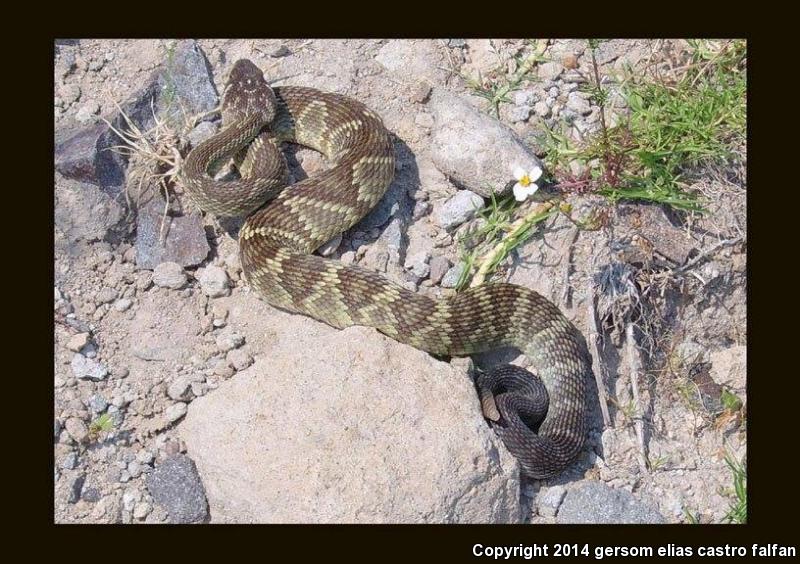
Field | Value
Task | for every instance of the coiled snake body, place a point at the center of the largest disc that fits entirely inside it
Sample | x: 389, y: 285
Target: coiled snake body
x: 278, y: 239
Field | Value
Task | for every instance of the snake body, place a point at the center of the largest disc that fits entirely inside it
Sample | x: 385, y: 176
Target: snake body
x: 278, y: 240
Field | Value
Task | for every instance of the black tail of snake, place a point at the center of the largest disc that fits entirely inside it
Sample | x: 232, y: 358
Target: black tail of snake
x: 285, y: 227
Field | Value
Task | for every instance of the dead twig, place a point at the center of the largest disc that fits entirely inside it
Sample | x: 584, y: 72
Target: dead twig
x: 633, y: 364
x: 599, y: 374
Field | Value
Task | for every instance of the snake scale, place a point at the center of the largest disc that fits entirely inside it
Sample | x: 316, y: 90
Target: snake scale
x: 541, y: 419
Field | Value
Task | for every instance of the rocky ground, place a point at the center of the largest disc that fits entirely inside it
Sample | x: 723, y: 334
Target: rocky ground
x: 181, y: 397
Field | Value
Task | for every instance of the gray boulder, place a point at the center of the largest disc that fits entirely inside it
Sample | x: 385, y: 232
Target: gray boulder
x: 348, y: 427
x: 595, y: 502
x: 475, y: 149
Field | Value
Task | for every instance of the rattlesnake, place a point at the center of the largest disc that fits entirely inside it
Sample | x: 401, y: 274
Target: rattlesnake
x: 278, y: 240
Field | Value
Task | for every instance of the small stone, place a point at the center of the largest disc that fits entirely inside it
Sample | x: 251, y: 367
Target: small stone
x: 75, y: 487
x: 229, y: 340
x: 420, y: 91
x: 78, y: 341
x: 418, y: 263
x: 570, y: 62
x: 105, y: 296
x: 577, y: 102
x: 56, y: 428
x: 142, y: 510
x: 239, y: 359
x: 550, y: 70
x: 452, y: 276
x: 97, y: 403
x: 144, y: 281
x: 90, y: 494
x: 524, y: 97
x: 177, y: 488
x: 123, y: 304
x: 169, y: 275
x: 180, y: 389
x: 224, y: 369
x: 77, y: 429
x: 129, y: 499
x: 439, y: 266
x: 175, y: 412
x: 420, y: 209
x: 519, y: 113
x: 145, y: 456
x: 541, y: 109
x: 135, y: 468
x: 348, y: 257
x: 88, y: 112
x: 330, y: 247
x: 456, y: 43
x: 87, y: 368
x: 70, y: 93
x: 214, y: 282
x: 70, y: 461
x: 279, y: 52
x: 458, y: 209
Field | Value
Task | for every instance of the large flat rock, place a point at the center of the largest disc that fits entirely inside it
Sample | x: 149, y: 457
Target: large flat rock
x: 348, y: 427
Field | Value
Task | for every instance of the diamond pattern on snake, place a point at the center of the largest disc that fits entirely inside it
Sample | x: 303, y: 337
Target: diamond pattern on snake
x: 540, y: 418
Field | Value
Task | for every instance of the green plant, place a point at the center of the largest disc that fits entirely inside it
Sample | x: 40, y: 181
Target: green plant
x: 738, y: 509
x: 486, y: 246
x: 102, y: 424
x: 730, y: 401
x: 691, y: 518
x: 673, y: 127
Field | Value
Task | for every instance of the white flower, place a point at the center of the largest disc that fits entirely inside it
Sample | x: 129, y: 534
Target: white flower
x: 525, y: 182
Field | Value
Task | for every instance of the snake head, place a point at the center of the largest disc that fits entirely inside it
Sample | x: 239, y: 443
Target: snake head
x: 247, y: 93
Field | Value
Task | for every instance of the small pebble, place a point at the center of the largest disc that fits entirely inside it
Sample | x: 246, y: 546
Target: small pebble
x: 123, y: 304
x: 76, y: 429
x: 239, y: 359
x: 229, y: 340
x: 78, y: 341
x: 214, y: 282
x: 169, y: 275
x: 175, y: 412
x: 70, y: 461
x: 97, y: 403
